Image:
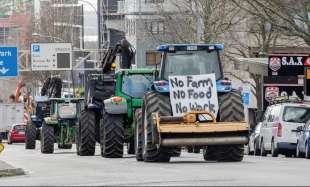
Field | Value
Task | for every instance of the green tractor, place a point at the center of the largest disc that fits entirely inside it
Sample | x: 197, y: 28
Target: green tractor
x: 117, y: 122
x: 60, y: 125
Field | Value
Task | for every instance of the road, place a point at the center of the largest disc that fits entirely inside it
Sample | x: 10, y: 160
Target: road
x: 65, y: 168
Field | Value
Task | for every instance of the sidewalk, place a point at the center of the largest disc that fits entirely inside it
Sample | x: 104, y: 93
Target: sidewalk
x: 8, y: 170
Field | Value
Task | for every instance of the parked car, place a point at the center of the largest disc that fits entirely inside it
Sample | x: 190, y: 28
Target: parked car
x: 253, y: 146
x: 303, y: 142
x: 278, y: 131
x: 17, y: 133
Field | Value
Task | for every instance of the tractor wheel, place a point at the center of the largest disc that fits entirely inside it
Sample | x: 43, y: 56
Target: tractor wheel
x: 230, y: 110
x: 47, y: 139
x: 45, y: 87
x: 30, y: 134
x: 154, y: 102
x: 139, y: 136
x: 210, y: 153
x: 230, y: 153
x: 86, y: 133
x: 56, y: 86
x: 112, y: 136
x: 64, y: 146
x: 77, y: 139
x: 52, y: 87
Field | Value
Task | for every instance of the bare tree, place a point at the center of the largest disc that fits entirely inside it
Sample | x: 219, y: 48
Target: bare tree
x: 290, y: 17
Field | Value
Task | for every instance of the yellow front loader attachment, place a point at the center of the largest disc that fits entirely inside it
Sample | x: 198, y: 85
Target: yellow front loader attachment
x: 199, y: 128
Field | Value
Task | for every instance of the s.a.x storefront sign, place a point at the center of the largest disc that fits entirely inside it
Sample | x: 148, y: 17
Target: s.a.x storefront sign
x: 288, y: 65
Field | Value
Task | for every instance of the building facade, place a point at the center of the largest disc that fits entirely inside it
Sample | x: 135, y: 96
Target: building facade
x: 111, y: 22
x: 61, y: 21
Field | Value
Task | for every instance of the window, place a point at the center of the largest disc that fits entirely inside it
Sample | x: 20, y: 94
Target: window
x: 19, y: 128
x: 296, y: 114
x: 155, y: 27
x: 136, y: 85
x: 153, y: 58
x: 130, y: 27
x: 191, y: 63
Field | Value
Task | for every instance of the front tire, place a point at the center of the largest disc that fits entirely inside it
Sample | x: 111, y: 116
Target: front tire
x: 230, y: 110
x: 154, y: 103
x: 87, y: 133
x: 31, y: 134
x: 47, y: 139
x: 112, y: 136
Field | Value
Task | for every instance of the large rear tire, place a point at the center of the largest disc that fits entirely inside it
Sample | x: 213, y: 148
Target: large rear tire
x: 153, y: 103
x: 52, y: 87
x: 139, y: 136
x: 47, y: 139
x: 87, y: 133
x: 112, y: 136
x: 230, y: 110
x: 30, y: 136
x: 230, y: 153
x: 210, y: 153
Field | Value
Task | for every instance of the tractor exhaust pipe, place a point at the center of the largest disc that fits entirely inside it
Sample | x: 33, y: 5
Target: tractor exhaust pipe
x: 171, y: 142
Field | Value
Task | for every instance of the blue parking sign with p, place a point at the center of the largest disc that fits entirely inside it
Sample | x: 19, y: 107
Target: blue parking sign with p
x: 8, y: 62
x: 36, y: 48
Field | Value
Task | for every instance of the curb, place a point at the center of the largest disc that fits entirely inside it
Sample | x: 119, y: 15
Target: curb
x: 11, y: 172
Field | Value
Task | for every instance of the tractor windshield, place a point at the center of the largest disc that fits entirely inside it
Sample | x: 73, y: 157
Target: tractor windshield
x: 191, y: 63
x: 136, y: 85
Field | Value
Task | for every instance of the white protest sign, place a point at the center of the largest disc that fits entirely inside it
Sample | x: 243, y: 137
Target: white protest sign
x: 193, y: 92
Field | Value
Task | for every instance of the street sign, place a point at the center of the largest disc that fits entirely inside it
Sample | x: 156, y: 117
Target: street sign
x: 8, y: 62
x: 51, y: 56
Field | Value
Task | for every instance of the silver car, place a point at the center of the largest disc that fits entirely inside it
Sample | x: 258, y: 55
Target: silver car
x: 253, y: 146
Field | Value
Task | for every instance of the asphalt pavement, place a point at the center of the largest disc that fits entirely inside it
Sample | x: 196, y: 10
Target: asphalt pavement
x: 66, y: 168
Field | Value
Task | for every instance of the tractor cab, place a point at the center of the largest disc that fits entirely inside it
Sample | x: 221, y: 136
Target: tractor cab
x: 41, y: 110
x: 191, y: 59
x: 66, y: 108
x: 131, y: 85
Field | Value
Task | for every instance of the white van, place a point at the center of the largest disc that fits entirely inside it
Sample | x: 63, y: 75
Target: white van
x: 278, y: 132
